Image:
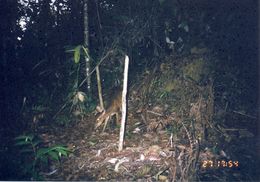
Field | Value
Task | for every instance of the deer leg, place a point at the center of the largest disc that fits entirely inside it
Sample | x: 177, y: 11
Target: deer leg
x: 117, y: 119
x: 105, y: 125
x: 100, y: 120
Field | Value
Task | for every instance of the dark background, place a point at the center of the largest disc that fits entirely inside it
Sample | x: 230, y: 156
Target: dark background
x: 34, y: 63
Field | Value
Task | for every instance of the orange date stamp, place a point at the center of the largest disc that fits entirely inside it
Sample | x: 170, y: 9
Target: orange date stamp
x: 219, y: 164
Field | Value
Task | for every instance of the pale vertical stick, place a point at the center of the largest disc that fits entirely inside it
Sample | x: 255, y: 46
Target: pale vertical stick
x: 99, y: 88
x: 123, y: 120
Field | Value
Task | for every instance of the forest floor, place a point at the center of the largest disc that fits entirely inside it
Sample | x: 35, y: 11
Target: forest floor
x: 95, y: 155
x: 162, y: 141
x: 177, y: 129
x: 147, y: 155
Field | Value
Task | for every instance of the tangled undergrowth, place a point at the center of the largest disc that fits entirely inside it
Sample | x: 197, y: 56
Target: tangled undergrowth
x: 180, y: 126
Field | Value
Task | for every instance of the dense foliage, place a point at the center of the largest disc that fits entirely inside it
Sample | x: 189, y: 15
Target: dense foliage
x: 40, y: 80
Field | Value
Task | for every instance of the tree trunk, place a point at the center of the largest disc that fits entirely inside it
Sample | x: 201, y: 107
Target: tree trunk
x: 86, y: 44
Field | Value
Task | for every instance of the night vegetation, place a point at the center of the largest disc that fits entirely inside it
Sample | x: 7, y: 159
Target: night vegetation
x: 192, y: 110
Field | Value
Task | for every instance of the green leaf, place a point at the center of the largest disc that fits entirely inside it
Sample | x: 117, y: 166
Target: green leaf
x: 35, y: 143
x: 77, y: 54
x: 53, y: 155
x: 19, y: 143
x: 25, y: 137
x: 41, y: 152
x: 92, y: 143
x: 70, y: 50
x: 64, y: 152
x: 59, y: 147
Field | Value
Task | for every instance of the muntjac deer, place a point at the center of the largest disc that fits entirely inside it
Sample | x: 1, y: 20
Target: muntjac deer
x: 114, y: 108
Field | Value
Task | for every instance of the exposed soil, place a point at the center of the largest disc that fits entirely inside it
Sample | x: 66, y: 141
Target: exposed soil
x: 95, y: 155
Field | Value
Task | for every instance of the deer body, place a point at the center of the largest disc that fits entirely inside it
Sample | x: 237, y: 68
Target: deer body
x: 114, y: 108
